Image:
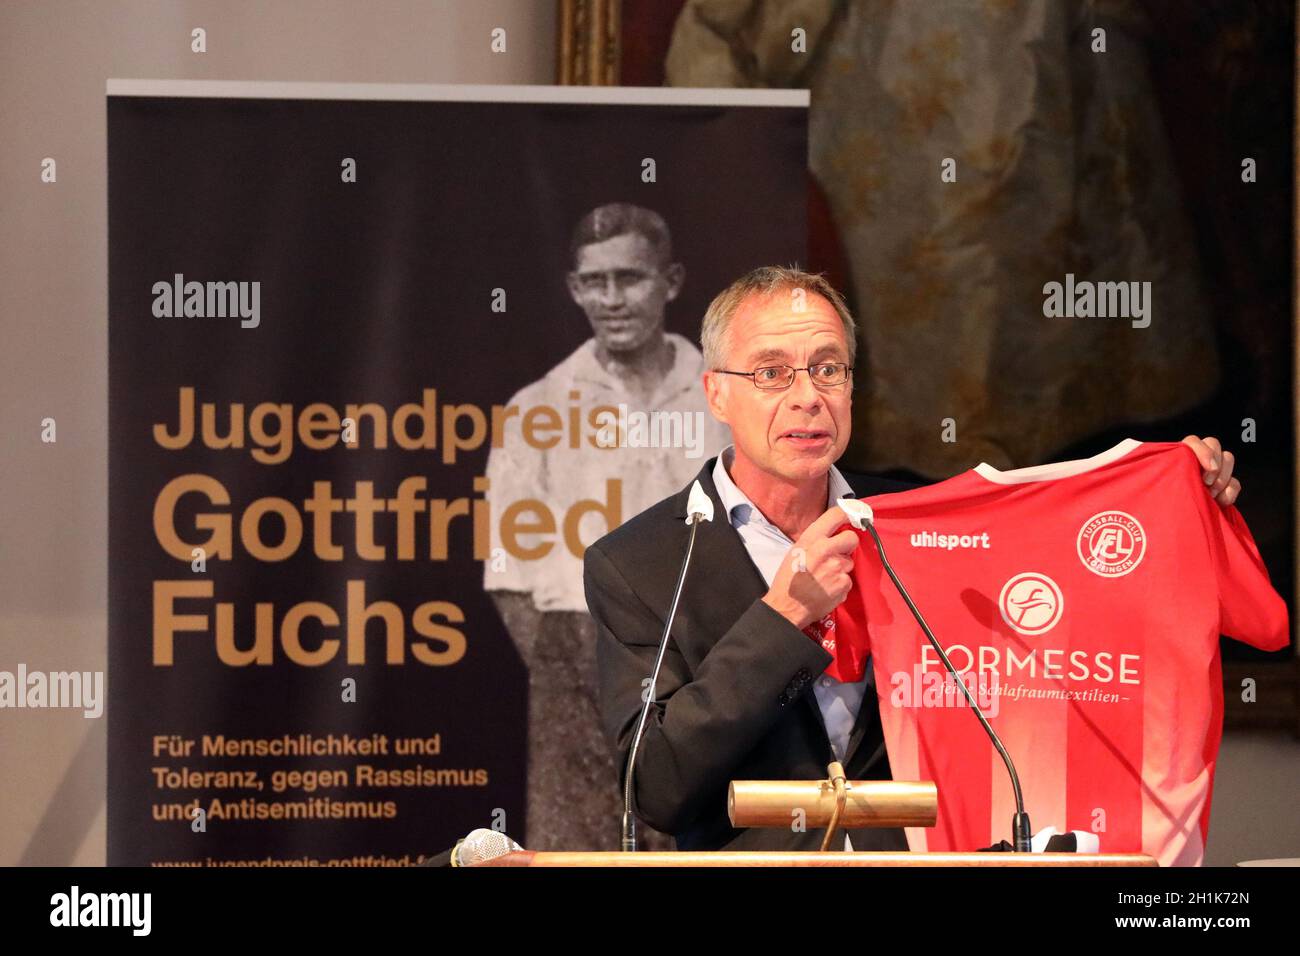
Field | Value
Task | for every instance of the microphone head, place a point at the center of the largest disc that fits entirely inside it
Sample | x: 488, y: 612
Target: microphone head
x: 858, y: 512
x: 482, y: 845
x: 699, y: 506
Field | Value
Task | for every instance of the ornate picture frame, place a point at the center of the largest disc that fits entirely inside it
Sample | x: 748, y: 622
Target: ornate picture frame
x: 587, y: 38
x: 590, y: 52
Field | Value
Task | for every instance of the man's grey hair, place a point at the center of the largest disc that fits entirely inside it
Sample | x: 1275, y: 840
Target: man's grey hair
x: 764, y: 282
x: 620, y: 218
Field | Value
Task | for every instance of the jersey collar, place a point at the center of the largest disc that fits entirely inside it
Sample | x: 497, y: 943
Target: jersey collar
x: 1060, y: 469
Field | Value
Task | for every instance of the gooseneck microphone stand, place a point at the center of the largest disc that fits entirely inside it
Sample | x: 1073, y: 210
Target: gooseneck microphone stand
x: 699, y: 507
x: 860, y: 515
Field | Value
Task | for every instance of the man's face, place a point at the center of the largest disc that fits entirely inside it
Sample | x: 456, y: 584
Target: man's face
x: 618, y: 282
x: 795, y: 433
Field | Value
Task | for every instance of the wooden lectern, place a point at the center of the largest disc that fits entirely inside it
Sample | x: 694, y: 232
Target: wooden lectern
x: 834, y: 803
x: 815, y: 858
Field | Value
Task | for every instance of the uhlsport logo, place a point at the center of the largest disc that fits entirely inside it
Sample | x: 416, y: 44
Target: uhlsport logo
x: 1031, y: 603
x: 1111, y: 543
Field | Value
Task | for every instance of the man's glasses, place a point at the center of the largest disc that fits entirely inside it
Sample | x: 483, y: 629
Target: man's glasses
x: 782, y: 376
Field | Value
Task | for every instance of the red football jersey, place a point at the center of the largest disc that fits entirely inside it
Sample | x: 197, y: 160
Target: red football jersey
x: 1082, y: 602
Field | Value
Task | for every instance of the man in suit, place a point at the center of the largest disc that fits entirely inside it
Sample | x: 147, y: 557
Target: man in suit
x: 731, y: 701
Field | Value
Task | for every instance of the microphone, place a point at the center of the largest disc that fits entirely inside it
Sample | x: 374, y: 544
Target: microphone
x: 480, y: 846
x: 699, y: 508
x: 863, y: 518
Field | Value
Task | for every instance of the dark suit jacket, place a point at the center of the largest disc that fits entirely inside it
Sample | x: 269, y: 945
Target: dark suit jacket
x: 733, y: 698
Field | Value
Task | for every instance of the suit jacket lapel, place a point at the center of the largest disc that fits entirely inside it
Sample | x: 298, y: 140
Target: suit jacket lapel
x: 721, y: 569
x: 734, y: 581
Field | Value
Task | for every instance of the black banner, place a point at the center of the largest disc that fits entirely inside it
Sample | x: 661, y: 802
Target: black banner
x: 319, y: 311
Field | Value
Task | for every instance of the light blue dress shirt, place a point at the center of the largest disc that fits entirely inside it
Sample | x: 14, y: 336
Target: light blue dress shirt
x: 767, y: 545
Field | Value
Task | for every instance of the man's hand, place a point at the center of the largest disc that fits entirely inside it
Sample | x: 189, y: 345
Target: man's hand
x: 814, y: 576
x: 1216, y: 468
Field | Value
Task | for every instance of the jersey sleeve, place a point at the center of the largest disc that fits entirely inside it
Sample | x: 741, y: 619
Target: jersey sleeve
x: 1250, y: 610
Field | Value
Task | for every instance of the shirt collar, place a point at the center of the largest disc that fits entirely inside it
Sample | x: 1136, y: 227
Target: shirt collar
x: 741, y: 511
